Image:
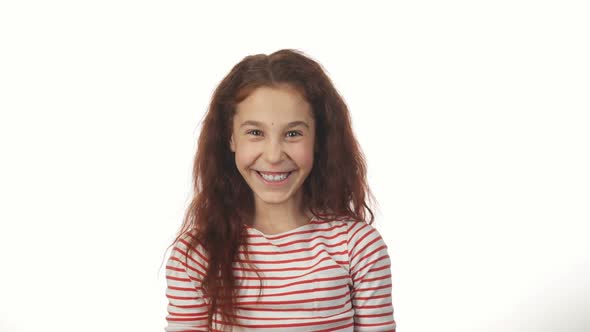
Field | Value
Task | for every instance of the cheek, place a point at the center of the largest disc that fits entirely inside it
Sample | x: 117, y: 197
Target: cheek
x: 244, y: 158
x: 303, y: 156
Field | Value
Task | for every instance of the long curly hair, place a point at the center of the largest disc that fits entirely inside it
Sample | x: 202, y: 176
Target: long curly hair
x: 223, y: 203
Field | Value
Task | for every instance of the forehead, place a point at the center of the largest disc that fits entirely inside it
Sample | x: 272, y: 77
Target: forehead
x: 274, y: 104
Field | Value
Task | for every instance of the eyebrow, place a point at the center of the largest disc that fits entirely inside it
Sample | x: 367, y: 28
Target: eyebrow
x: 260, y: 124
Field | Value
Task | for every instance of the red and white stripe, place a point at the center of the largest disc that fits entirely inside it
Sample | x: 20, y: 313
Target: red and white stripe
x: 323, y: 276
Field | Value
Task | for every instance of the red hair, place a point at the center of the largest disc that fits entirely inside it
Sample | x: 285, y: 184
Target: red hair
x: 223, y: 203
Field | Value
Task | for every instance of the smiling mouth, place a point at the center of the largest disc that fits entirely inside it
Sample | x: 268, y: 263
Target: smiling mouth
x: 275, y: 182
x: 274, y: 173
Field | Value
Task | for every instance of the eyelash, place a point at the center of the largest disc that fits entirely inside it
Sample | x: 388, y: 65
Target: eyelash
x: 292, y: 131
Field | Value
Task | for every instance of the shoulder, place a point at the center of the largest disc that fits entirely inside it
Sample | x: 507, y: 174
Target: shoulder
x: 330, y: 225
x: 187, y: 247
x: 356, y: 227
x: 355, y: 230
x: 362, y: 234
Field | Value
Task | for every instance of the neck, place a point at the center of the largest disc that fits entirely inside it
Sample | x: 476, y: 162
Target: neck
x: 276, y: 218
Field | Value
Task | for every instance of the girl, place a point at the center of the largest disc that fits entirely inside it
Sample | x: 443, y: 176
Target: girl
x: 276, y: 237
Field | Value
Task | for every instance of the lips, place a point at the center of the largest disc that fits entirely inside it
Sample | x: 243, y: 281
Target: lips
x: 277, y: 183
x: 273, y: 173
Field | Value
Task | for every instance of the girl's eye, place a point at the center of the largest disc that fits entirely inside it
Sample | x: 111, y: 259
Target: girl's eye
x: 251, y: 131
x: 256, y: 130
x: 296, y: 132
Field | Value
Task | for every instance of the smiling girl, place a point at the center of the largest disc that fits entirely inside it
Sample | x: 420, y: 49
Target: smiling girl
x: 277, y: 236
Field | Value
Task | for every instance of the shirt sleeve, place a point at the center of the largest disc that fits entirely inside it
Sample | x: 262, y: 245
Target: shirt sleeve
x: 369, y: 267
x: 187, y: 306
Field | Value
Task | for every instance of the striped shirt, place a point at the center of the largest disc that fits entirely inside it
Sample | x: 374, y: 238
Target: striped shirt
x: 328, y: 275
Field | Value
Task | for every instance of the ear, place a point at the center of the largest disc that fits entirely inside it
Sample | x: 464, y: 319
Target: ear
x: 232, y: 145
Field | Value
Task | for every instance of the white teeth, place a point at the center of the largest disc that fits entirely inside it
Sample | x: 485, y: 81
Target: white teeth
x: 274, y: 177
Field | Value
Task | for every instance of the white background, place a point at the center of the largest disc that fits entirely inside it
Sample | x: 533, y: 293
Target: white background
x: 473, y: 115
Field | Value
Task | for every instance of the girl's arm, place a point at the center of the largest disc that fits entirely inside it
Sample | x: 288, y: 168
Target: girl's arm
x: 371, y: 277
x: 187, y: 309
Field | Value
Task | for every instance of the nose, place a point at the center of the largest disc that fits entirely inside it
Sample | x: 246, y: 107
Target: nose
x: 273, y: 151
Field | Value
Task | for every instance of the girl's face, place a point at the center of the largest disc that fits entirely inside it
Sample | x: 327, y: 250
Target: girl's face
x: 273, y: 132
